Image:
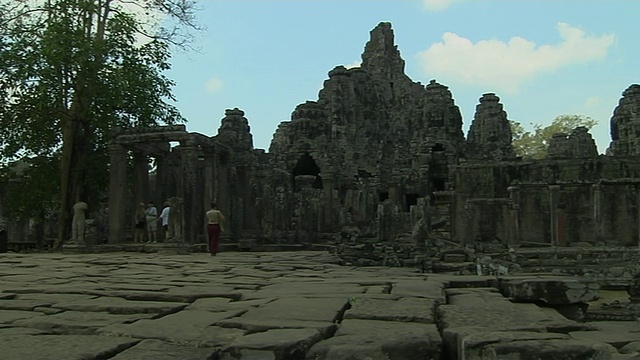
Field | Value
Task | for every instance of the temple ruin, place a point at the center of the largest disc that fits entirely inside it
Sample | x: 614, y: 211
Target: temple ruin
x: 379, y: 166
x: 379, y: 169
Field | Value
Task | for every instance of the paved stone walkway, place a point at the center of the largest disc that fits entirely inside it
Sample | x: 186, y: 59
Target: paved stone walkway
x: 283, y: 306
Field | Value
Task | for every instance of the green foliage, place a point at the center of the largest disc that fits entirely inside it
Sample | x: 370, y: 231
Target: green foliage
x: 70, y: 70
x: 534, y: 144
x: 29, y: 189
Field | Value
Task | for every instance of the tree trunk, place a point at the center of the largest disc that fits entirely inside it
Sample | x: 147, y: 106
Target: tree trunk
x: 68, y: 135
x: 75, y: 151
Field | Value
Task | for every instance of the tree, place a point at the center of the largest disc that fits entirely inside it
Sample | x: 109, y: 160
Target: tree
x: 70, y: 70
x: 534, y: 144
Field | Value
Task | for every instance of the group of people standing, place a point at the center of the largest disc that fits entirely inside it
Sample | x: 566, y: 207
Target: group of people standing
x: 147, y: 218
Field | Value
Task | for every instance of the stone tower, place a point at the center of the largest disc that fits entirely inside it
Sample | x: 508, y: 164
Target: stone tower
x: 490, y: 132
x: 625, y: 124
x: 381, y: 56
x: 578, y: 144
x: 234, y: 130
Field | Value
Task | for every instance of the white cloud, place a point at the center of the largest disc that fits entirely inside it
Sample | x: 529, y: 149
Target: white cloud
x: 436, y: 5
x: 592, y: 102
x: 354, y: 64
x: 506, y: 65
x: 213, y: 84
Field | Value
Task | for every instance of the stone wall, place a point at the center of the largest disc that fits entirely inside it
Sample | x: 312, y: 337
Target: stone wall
x: 552, y: 202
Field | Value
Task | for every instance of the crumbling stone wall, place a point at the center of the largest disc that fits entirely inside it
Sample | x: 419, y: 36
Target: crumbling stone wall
x: 554, y: 202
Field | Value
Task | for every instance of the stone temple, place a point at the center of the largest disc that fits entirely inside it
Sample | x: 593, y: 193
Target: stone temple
x: 379, y: 166
x: 512, y: 255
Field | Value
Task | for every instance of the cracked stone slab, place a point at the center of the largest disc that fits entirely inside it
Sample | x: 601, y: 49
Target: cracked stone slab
x: 115, y: 305
x: 616, y: 333
x: 379, y: 340
x: 552, y: 291
x: 77, y: 322
x: 7, y: 331
x: 471, y: 344
x: 9, y: 316
x: 419, y: 310
x: 185, y: 327
x: 474, y: 312
x: 431, y: 289
x: 547, y: 349
x: 21, y: 304
x: 313, y: 288
x: 69, y: 347
x: 54, y: 298
x: 151, y: 349
x: 300, y: 308
x: 631, y: 348
x: 272, y: 344
x: 253, y: 325
x: 224, y: 304
x: 177, y: 295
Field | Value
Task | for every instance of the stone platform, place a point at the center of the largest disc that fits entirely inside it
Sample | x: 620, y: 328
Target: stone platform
x: 286, y: 306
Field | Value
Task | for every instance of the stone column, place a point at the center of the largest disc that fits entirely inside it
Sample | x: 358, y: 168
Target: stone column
x: 328, y: 183
x: 117, y: 192
x: 140, y: 177
x: 222, y: 189
x: 192, y: 215
x: 514, y: 221
x: 554, y: 194
x: 209, y: 186
x: 163, y: 173
x: 598, y: 223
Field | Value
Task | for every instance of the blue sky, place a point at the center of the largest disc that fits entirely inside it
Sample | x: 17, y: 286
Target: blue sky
x: 543, y: 58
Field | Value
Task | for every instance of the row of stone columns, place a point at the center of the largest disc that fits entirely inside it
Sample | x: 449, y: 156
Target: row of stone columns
x: 558, y: 216
x: 194, y: 199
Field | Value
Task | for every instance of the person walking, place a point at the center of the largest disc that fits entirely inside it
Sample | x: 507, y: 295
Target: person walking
x: 215, y: 220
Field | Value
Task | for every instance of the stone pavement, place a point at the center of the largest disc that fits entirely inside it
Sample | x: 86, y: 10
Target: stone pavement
x: 285, y: 306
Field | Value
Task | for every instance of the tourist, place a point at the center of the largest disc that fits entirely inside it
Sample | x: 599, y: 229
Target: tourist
x: 164, y: 215
x: 78, y: 221
x: 152, y: 222
x: 141, y: 223
x: 215, y: 220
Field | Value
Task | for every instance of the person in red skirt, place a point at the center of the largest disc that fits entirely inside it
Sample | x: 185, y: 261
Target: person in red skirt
x: 214, y: 227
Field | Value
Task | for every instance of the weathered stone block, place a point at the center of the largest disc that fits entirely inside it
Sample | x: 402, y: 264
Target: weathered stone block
x: 379, y: 340
x: 551, y: 291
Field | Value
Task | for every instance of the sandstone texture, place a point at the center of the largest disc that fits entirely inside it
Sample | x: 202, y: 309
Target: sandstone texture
x: 286, y: 306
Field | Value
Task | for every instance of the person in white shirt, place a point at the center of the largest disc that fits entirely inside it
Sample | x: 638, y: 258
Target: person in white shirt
x: 164, y: 216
